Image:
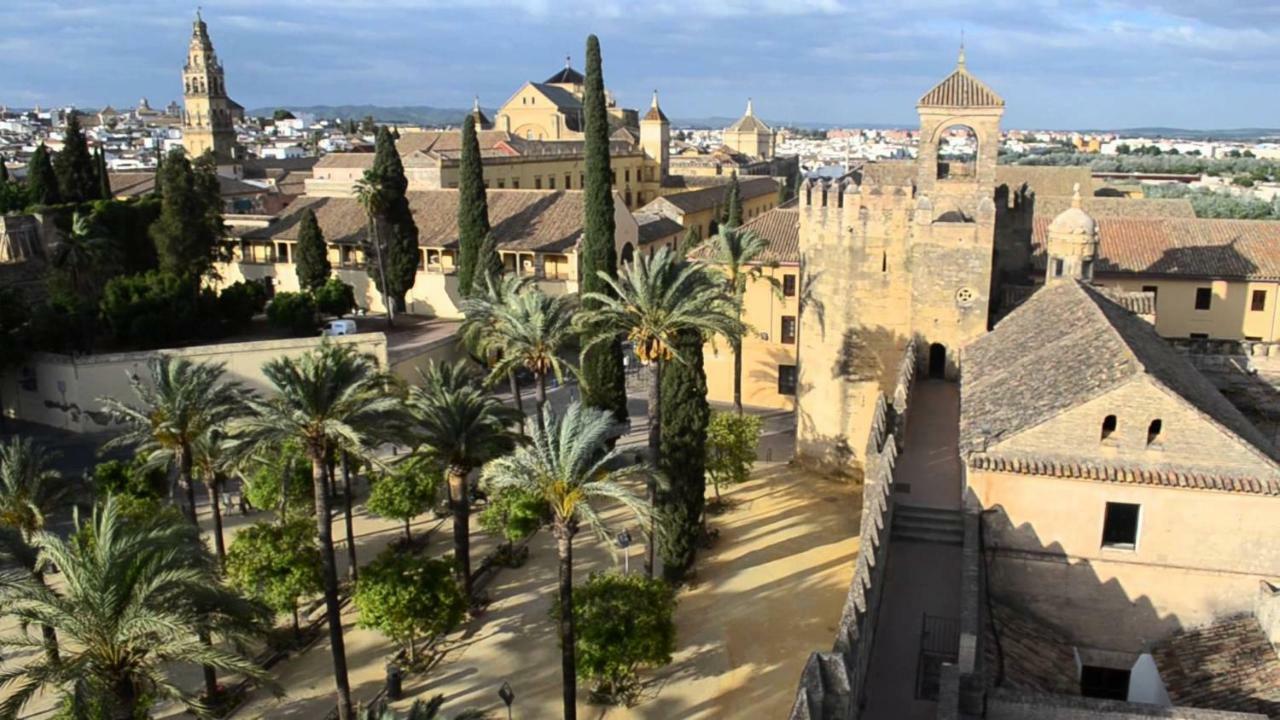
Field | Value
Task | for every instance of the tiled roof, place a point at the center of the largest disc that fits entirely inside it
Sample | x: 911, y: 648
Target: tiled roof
x: 1034, y: 655
x: 1064, y: 346
x: 655, y: 227
x: 1229, y: 665
x: 134, y: 184
x: 1127, y: 475
x: 781, y: 227
x: 1186, y: 247
x: 748, y: 123
x: 361, y: 160
x: 889, y: 173
x: 542, y: 220
x: 561, y: 98
x: 960, y: 89
x: 1049, y: 206
x: 1046, y: 180
x: 710, y: 197
x: 566, y: 76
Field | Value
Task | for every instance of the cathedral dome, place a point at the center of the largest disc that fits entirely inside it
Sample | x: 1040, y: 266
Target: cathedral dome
x: 1074, y: 220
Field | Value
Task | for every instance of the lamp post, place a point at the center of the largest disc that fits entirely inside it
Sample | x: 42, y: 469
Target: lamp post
x: 508, y: 696
x: 624, y: 542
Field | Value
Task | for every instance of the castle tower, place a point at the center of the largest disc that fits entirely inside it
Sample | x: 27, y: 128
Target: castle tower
x: 655, y: 136
x: 1073, y: 244
x: 208, y: 118
x: 953, y: 229
x: 750, y: 136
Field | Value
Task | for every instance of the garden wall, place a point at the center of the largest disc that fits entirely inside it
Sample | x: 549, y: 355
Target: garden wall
x: 831, y: 684
x: 63, y: 391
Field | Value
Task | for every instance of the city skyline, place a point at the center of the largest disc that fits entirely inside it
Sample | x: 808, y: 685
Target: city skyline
x: 1097, y: 65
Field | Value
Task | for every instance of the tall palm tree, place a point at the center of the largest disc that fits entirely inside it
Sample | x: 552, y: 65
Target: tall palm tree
x: 737, y: 254
x: 568, y: 466
x: 182, y: 402
x: 330, y: 399
x: 29, y: 490
x: 531, y: 330
x: 480, y: 321
x: 82, y: 253
x: 460, y: 427
x: 136, y: 597
x: 373, y: 198
x: 652, y: 301
x: 212, y: 462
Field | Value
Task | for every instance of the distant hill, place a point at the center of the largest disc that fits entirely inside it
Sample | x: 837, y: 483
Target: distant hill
x: 1235, y: 134
x: 409, y: 114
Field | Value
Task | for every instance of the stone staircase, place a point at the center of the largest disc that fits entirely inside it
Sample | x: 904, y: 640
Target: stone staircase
x: 912, y: 523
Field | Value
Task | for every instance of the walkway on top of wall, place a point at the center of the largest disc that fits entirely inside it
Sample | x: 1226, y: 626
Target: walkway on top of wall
x: 921, y: 577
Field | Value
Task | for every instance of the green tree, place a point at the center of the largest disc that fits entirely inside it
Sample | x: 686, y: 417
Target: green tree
x: 335, y: 297
x: 411, y: 599
x: 4, y: 170
x: 568, y: 466
x: 277, y: 564
x: 133, y: 479
x: 473, y: 208
x: 403, y: 493
x: 188, y: 232
x: 293, y: 313
x: 479, y: 330
x: 603, y: 382
x: 652, y: 302
x: 74, y: 166
x: 311, y: 255
x: 329, y: 400
x: 149, y: 310
x: 279, y: 477
x: 458, y: 426
x: 42, y: 182
x: 30, y: 489
x: 399, y: 244
x: 135, y: 597
x: 623, y: 623
x: 532, y: 331
x: 739, y: 255
x: 240, y: 301
x: 82, y: 258
x: 731, y: 448
x: 683, y: 450
x: 103, y: 175
x: 733, y: 203
x: 373, y: 199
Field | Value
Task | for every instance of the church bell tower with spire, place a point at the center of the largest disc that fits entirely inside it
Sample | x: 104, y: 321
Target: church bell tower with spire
x: 208, y: 117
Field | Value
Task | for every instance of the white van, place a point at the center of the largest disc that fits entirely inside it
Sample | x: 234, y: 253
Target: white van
x: 340, y: 327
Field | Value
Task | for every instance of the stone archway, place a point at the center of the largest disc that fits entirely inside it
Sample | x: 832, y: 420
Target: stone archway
x: 937, y: 361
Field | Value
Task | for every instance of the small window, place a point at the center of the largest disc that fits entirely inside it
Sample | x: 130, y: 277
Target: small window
x: 1057, y: 267
x: 1107, y: 683
x: 626, y: 175
x: 1120, y: 526
x: 788, y: 285
x: 502, y: 184
x: 537, y: 183
x: 551, y: 182
x: 884, y: 262
x: 1153, y: 431
x: 568, y: 181
x: 1108, y: 426
x: 1199, y: 336
x: 1204, y: 296
x: 788, y: 329
x: 1258, y: 302
x: 1086, y: 268
x: 1155, y: 291
x: 515, y: 183
x: 1253, y: 338
x: 786, y: 379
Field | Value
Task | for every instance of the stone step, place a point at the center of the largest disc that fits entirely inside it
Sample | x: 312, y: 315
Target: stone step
x: 927, y: 525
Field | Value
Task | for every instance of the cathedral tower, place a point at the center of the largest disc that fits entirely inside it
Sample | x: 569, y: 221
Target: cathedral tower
x: 655, y: 137
x: 208, y: 118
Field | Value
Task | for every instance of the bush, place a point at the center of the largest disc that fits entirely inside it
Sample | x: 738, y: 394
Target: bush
x: 335, y: 297
x: 280, y: 472
x: 404, y: 493
x: 278, y: 564
x: 150, y: 310
x: 731, y: 448
x: 622, y: 623
x: 409, y: 598
x: 240, y: 301
x: 514, y: 514
x: 116, y: 477
x: 294, y: 313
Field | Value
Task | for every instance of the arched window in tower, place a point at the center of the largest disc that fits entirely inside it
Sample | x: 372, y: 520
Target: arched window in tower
x: 1153, y: 432
x: 957, y: 153
x: 1108, y: 426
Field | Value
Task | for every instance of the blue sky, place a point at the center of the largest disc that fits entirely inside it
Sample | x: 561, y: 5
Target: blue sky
x: 1058, y: 63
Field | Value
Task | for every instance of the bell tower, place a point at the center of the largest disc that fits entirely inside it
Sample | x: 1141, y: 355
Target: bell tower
x: 208, y: 118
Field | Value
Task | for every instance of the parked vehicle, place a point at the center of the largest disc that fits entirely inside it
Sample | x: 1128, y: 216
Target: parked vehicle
x: 343, y: 326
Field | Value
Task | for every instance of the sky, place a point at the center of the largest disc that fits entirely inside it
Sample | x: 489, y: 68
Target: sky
x: 1059, y: 64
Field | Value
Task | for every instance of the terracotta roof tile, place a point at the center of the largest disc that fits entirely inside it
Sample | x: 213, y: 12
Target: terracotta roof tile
x: 710, y: 197
x: 961, y: 89
x: 1228, y: 665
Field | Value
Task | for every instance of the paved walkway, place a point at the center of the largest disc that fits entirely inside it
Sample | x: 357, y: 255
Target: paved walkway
x: 920, y: 577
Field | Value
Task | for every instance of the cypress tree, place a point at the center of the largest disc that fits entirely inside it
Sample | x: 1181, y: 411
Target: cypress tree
x: 42, y: 183
x: 187, y: 234
x: 311, y: 256
x: 490, y: 264
x: 74, y: 167
x: 603, y: 381
x: 157, y: 187
x: 685, y: 415
x: 104, y: 176
x: 473, y: 207
x: 4, y: 171
x: 400, y: 255
x: 733, y: 203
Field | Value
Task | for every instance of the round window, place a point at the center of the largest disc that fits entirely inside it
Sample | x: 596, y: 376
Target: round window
x: 964, y: 297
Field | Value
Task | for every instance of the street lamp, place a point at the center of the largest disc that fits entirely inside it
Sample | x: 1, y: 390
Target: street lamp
x: 508, y: 696
x: 624, y: 542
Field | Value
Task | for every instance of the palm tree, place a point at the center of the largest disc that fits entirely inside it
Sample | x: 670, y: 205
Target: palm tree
x: 480, y: 320
x: 652, y: 301
x: 568, y: 466
x: 212, y: 461
x: 531, y: 329
x: 29, y: 490
x: 372, y: 197
x: 460, y: 427
x: 136, y: 598
x: 331, y: 399
x: 737, y: 253
x: 81, y: 254
x: 183, y: 402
